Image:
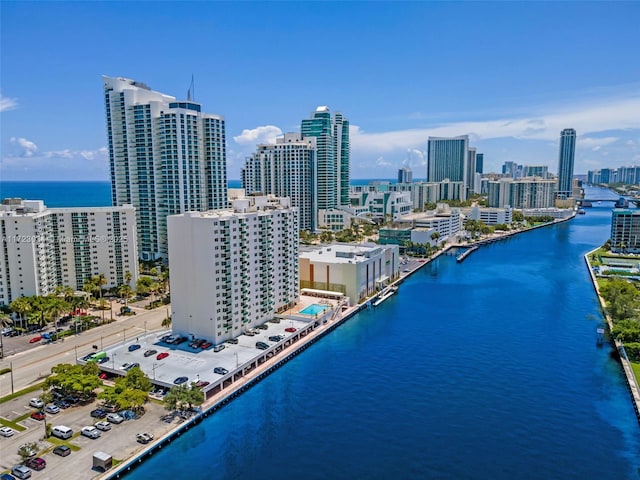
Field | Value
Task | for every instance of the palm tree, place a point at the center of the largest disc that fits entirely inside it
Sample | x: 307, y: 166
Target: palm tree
x: 22, y: 306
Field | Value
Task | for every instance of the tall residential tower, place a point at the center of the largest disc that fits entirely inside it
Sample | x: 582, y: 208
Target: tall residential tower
x: 165, y: 157
x: 565, y: 163
x: 448, y: 158
x: 332, y: 135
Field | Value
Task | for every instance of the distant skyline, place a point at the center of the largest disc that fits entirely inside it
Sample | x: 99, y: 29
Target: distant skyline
x: 511, y: 75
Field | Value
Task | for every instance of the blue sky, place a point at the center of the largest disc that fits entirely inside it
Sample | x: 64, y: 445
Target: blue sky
x: 509, y: 74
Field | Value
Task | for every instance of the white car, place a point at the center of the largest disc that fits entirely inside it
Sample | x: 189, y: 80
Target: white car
x: 104, y: 426
x: 91, y: 432
x: 36, y: 403
x: 51, y: 408
x: 115, y: 418
x: 6, y: 432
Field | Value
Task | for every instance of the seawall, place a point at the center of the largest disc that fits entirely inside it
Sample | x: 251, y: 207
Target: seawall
x: 624, y: 360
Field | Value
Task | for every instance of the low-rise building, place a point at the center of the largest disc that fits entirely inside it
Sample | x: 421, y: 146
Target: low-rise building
x: 43, y: 248
x: 357, y: 271
x: 490, y: 216
x: 445, y: 220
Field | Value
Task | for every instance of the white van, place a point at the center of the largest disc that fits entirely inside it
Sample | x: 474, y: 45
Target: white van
x: 61, y: 431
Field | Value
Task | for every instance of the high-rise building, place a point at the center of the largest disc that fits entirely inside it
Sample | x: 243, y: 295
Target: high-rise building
x: 48, y: 247
x: 541, y: 171
x: 286, y: 169
x: 165, y: 157
x: 405, y: 175
x: 526, y: 192
x: 471, y: 170
x: 448, y: 158
x: 233, y: 269
x: 565, y: 163
x: 332, y: 134
x: 625, y: 230
x: 479, y: 163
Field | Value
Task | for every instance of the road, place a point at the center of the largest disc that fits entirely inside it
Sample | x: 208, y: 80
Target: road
x: 32, y: 365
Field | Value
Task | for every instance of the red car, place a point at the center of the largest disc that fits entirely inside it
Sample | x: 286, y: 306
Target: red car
x: 36, y: 463
x: 205, y: 345
x: 103, y: 375
x: 162, y: 355
x: 290, y: 329
x: 35, y: 339
x: 201, y: 384
x: 38, y: 415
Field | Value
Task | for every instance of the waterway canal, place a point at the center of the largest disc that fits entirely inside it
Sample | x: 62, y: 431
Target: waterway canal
x: 487, y: 369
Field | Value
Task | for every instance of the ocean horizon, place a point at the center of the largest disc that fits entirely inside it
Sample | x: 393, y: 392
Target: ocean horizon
x: 90, y: 193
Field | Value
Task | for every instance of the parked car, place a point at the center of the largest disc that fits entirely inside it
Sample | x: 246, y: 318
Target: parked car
x: 206, y: 345
x: 220, y: 371
x: 6, y: 432
x: 180, y: 380
x: 7, y: 476
x: 36, y: 463
x: 62, y: 450
x: 115, y: 418
x: 290, y: 329
x: 219, y: 348
x: 129, y: 366
x: 148, y: 353
x: 104, y: 426
x: 109, y: 408
x: 162, y: 355
x: 90, y: 431
x: 36, y: 403
x: 264, y: 326
x: 233, y: 341
x: 103, y: 360
x: 38, y: 415
x: 6, y: 331
x: 98, y: 413
x: 61, y: 404
x: 35, y: 339
x: 262, y: 345
x: 20, y: 471
x: 144, y: 437
x: 274, y: 338
x: 103, y: 375
x: 134, y: 347
x: 201, y: 384
x: 197, y: 343
x: 51, y: 408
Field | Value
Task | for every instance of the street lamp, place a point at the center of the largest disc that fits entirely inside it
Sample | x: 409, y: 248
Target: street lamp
x: 101, y: 348
x: 154, y: 371
x: 113, y: 363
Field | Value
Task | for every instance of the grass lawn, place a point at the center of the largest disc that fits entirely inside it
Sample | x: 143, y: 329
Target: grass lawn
x: 8, y: 423
x: 19, y: 393
x: 636, y: 371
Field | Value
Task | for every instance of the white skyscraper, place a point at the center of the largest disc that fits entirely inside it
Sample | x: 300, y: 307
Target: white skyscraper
x: 165, y: 157
x: 233, y: 269
x: 286, y: 169
x: 46, y: 247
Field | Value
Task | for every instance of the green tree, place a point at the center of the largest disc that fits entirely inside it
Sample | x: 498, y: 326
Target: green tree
x: 79, y: 379
x: 129, y: 392
x: 26, y: 451
x: 517, y: 216
x: 620, y: 296
x: 183, y: 397
x: 22, y: 306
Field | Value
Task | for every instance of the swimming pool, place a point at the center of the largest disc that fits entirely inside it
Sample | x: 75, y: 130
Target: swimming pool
x: 313, y: 309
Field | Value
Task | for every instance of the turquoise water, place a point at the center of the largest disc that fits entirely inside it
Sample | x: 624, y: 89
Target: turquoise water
x: 313, y: 309
x: 487, y: 369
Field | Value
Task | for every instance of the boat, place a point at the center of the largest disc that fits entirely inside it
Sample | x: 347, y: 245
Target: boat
x: 581, y: 211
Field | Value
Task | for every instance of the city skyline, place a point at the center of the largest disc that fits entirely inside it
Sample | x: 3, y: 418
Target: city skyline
x: 400, y: 78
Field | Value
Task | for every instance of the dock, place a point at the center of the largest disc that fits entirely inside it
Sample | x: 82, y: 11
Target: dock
x: 466, y: 253
x: 386, y: 293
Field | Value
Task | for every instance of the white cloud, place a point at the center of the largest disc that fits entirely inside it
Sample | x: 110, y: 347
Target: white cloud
x: 614, y: 114
x: 7, y: 103
x: 264, y: 134
x: 21, y: 147
x: 381, y: 162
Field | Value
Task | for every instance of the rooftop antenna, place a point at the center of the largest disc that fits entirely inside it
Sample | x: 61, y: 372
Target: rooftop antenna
x: 191, y: 91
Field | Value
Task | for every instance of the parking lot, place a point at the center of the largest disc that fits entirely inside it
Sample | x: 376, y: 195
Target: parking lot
x: 195, y: 363
x: 120, y: 441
